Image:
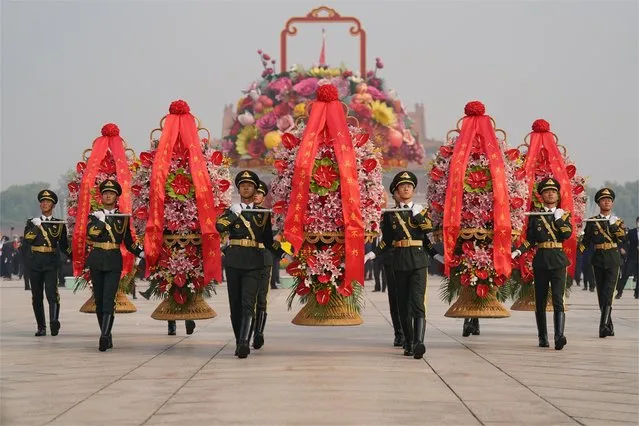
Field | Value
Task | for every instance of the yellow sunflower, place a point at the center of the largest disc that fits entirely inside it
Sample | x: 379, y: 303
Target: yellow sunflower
x: 383, y: 114
x: 246, y: 135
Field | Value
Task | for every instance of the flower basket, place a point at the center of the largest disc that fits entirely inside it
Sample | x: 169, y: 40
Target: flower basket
x: 469, y: 306
x: 198, y: 309
x: 122, y: 304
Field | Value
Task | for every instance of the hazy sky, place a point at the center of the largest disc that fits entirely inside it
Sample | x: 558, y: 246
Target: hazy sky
x: 68, y: 67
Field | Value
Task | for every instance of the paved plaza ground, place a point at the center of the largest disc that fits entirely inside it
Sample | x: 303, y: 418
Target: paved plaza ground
x: 316, y: 375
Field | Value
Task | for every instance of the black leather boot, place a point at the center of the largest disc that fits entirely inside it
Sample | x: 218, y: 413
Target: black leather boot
x: 419, y: 329
x: 475, y: 323
x: 54, y: 313
x: 146, y: 294
x: 106, y: 330
x: 260, y: 323
x: 38, y: 311
x: 407, y: 328
x: 42, y: 331
x: 611, y: 327
x: 172, y: 329
x: 190, y: 326
x: 399, y: 338
x: 604, y: 329
x: 559, y: 319
x: 243, y: 349
x: 542, y: 331
x: 467, y: 328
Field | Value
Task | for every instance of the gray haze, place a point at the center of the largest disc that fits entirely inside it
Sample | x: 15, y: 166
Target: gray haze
x: 68, y: 67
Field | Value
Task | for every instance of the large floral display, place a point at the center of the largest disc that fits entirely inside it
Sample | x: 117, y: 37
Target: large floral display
x: 327, y: 196
x: 271, y: 105
x: 478, y: 201
x: 106, y: 159
x: 180, y: 187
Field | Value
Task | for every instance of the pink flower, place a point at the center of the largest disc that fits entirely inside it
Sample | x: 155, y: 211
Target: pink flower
x: 267, y: 122
x: 285, y: 123
x: 361, y: 110
x: 281, y: 85
x: 376, y: 94
x: 306, y: 87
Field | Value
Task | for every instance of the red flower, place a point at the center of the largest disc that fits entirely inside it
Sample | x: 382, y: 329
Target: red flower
x: 338, y: 248
x: 455, y: 261
x: 500, y: 280
x: 142, y: 213
x: 512, y: 154
x: 235, y: 128
x: 520, y: 174
x: 327, y: 93
x: 110, y: 130
x: 467, y: 215
x: 369, y: 165
x: 294, y: 270
x: 72, y: 211
x: 181, y: 184
x: 478, y: 179
x: 146, y: 158
x: 571, y: 170
x: 217, y: 157
x: 360, y: 139
x: 290, y: 141
x: 301, y: 289
x: 80, y: 167
x: 73, y: 187
x: 325, y: 176
x: 279, y: 207
x: 107, y: 166
x: 324, y: 278
x: 311, y: 261
x: 482, y: 290
x: 468, y: 247
x: 256, y: 148
x: 282, y: 109
x: 465, y: 279
x: 437, y: 206
x: 224, y: 185
x: 323, y: 296
x: 179, y: 298
x: 179, y: 280
x: 345, y: 291
x: 474, y: 108
x: 280, y: 165
x: 516, y: 202
x: 482, y: 274
x: 136, y: 189
x: 247, y: 102
x: 436, y: 174
x: 486, y: 216
x: 540, y: 126
x: 446, y: 151
x: 179, y: 107
x: 578, y: 189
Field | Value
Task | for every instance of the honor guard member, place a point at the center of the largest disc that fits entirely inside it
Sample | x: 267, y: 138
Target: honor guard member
x: 106, y: 233
x: 265, y: 279
x: 547, y: 232
x: 406, y: 233
x: 249, y: 234
x: 43, y: 239
x: 605, y: 234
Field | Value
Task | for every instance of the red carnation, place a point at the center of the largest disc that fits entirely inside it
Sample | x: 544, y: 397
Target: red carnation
x: 474, y: 108
x: 541, y: 126
x: 179, y: 107
x: 327, y: 93
x: 110, y: 130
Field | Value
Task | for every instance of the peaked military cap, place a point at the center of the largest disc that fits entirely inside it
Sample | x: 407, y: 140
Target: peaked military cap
x: 262, y: 188
x: 110, y: 185
x: 604, y: 193
x: 247, y: 176
x: 47, y: 194
x: 404, y: 177
x: 546, y: 184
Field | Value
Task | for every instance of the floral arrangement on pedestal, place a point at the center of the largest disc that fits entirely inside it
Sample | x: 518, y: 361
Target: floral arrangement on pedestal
x: 320, y: 263
x: 271, y: 106
x: 180, y: 186
x: 106, y: 159
x: 473, y: 180
x: 542, y: 158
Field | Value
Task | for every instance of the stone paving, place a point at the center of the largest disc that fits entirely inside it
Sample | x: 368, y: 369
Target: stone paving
x: 316, y: 375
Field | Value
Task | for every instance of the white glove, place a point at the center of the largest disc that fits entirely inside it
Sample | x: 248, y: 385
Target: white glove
x: 515, y: 254
x: 36, y: 221
x: 288, y: 257
x: 439, y: 258
x: 100, y: 215
x: 369, y: 256
x: 137, y: 261
x: 559, y: 213
x: 236, y: 208
x: 141, y: 256
x: 613, y: 220
x: 417, y: 208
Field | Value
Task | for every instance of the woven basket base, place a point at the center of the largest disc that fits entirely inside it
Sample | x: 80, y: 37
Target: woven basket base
x: 122, y: 304
x: 528, y: 304
x: 466, y: 307
x: 340, y: 316
x: 197, y: 310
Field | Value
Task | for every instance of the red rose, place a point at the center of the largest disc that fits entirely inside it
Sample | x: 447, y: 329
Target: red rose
x: 301, y: 289
x: 482, y: 274
x: 468, y: 247
x: 571, y: 170
x: 136, y: 189
x: 436, y: 174
x: 223, y: 185
x: 477, y: 179
x: 217, y: 157
x: 179, y: 280
x: 360, y: 139
x: 516, y: 202
x: 146, y: 158
x: 179, y: 298
x: 181, y: 184
x: 324, y: 295
x: 474, y: 108
x: 482, y: 290
x: 446, y: 151
x: 540, y: 126
x: 465, y: 279
x: 280, y: 166
x: 325, y: 176
x: 110, y: 130
x: 512, y: 154
x: 179, y: 107
x: 289, y: 141
x: 500, y: 280
x: 324, y: 278
x: 279, y: 207
x: 369, y: 165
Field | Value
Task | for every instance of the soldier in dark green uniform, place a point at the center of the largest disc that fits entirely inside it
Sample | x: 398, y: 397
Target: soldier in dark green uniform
x: 265, y: 280
x: 550, y: 263
x: 43, y: 239
x: 249, y: 234
x: 605, y: 236
x: 406, y: 233
x: 106, y: 234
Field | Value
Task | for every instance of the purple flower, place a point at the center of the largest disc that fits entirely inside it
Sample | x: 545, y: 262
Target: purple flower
x: 280, y: 85
x: 267, y: 122
x: 306, y: 87
x: 376, y: 94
